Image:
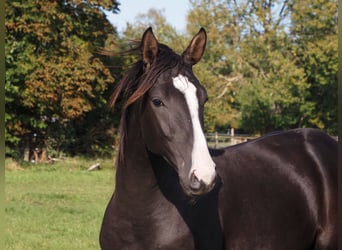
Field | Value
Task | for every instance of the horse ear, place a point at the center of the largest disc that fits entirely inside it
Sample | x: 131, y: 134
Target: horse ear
x: 149, y: 47
x: 195, y: 50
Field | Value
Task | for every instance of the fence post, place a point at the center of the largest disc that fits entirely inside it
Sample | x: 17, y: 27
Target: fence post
x: 27, y: 148
x: 216, y: 139
x: 233, y: 140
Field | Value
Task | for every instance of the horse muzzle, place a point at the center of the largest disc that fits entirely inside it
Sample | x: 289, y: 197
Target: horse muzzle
x: 198, y: 187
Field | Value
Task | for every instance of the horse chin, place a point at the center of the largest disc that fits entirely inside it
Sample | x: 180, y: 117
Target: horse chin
x: 185, y: 185
x: 196, y: 193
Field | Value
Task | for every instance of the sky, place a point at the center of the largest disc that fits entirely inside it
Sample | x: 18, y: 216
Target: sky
x: 174, y: 11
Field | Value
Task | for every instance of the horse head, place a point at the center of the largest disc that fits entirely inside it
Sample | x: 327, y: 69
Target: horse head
x: 171, y: 102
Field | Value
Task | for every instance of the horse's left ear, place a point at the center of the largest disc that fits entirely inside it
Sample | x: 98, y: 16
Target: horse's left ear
x: 195, y: 50
x: 149, y: 47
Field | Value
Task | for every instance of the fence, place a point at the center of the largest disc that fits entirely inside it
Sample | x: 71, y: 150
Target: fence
x: 220, y: 140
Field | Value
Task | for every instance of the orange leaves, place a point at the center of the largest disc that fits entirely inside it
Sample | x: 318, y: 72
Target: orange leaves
x: 74, y: 107
x: 53, y: 77
x: 65, y: 87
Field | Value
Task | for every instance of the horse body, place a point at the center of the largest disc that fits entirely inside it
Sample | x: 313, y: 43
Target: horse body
x: 275, y: 192
x: 279, y: 192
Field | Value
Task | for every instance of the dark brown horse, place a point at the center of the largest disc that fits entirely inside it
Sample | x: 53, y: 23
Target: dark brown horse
x: 172, y: 192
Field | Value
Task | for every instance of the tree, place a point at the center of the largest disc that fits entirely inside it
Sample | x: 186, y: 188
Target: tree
x: 54, y: 77
x: 246, y: 50
x: 314, y: 30
x: 269, y: 64
x: 273, y: 90
x: 217, y: 69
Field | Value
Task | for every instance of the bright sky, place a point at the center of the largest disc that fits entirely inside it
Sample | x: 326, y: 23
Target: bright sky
x: 174, y: 11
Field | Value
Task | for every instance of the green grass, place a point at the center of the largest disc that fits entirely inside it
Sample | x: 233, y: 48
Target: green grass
x: 56, y: 206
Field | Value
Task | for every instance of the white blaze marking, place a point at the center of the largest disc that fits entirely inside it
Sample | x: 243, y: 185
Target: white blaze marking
x: 202, y: 165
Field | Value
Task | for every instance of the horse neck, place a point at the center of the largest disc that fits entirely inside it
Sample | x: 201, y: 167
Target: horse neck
x: 135, y: 178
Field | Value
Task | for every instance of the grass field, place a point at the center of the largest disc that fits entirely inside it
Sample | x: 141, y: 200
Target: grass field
x: 56, y: 206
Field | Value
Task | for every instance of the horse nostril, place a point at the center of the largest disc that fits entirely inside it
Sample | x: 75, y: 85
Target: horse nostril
x: 195, y: 184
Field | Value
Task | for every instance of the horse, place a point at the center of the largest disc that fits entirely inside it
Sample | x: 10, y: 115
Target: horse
x: 172, y: 192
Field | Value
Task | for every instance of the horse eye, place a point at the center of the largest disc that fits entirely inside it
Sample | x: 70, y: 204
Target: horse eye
x: 157, y: 102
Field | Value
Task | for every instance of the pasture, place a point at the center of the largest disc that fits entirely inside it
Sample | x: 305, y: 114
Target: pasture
x: 56, y: 206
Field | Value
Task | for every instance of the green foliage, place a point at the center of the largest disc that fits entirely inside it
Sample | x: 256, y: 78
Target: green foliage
x: 269, y: 64
x: 316, y: 50
x: 217, y: 71
x: 273, y: 90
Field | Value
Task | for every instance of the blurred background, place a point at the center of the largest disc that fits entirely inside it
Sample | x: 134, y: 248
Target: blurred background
x: 269, y: 65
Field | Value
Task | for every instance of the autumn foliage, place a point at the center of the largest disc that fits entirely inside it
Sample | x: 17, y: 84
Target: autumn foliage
x: 54, y: 77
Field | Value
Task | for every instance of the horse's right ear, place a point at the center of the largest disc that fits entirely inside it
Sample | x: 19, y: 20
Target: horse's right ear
x: 149, y: 47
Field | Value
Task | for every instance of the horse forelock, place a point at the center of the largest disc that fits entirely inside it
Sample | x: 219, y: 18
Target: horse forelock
x: 138, y: 81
